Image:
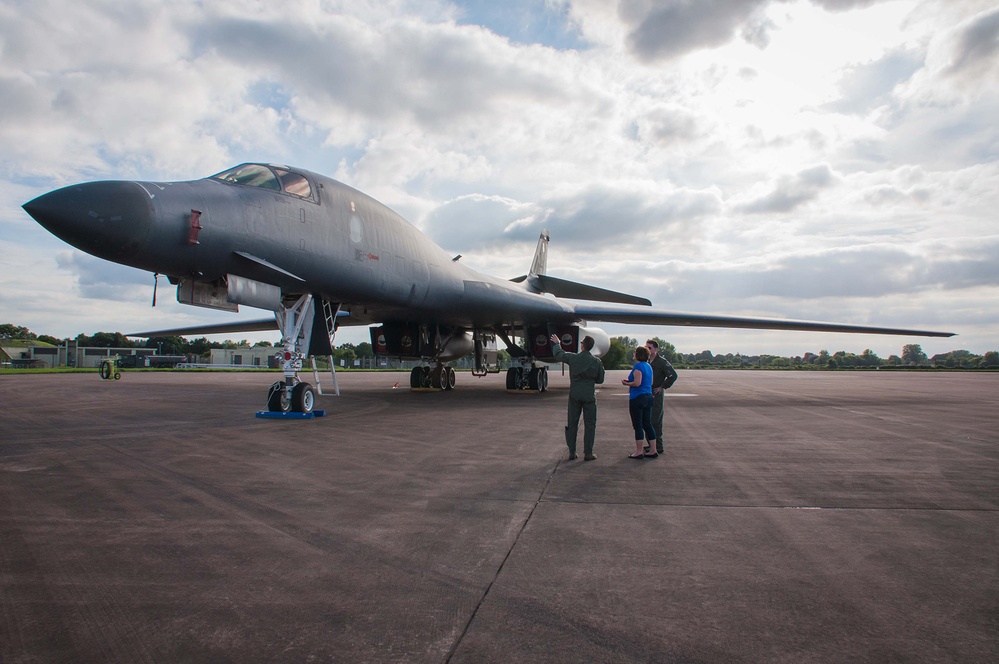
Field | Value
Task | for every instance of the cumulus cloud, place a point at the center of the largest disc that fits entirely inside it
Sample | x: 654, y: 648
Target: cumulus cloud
x: 844, y: 5
x: 867, y: 86
x: 665, y: 30
x: 665, y: 125
x: 798, y: 281
x: 616, y: 215
x: 609, y: 216
x: 790, y: 192
x: 98, y: 279
x: 477, y: 221
x: 873, y: 271
x: 975, y: 46
x: 432, y: 75
x: 961, y: 63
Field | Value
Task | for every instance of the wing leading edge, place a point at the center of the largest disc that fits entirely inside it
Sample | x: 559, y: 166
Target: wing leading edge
x: 610, y: 313
x: 259, y: 325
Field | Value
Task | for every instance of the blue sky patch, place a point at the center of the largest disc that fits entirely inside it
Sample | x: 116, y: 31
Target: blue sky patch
x: 523, y: 21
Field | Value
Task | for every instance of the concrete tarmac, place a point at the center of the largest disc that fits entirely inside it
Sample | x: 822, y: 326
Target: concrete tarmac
x: 795, y: 517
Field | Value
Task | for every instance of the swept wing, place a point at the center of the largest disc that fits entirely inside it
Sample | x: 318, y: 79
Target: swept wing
x: 611, y: 313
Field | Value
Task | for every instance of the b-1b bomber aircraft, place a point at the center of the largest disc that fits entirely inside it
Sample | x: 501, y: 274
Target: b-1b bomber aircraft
x: 320, y: 254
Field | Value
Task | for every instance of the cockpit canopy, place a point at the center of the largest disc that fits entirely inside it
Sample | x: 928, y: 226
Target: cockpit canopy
x: 268, y: 177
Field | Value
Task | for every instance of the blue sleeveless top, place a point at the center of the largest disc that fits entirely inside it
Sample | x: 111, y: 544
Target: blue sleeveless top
x: 645, y: 369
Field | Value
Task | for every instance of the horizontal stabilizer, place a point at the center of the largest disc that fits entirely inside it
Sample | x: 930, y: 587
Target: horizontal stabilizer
x: 576, y: 291
x: 640, y: 316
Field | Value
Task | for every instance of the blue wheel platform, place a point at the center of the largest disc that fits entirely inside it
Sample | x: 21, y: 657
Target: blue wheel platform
x: 278, y: 415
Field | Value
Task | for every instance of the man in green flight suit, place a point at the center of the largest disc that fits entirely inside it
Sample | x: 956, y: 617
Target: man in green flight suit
x: 663, y: 377
x: 585, y: 371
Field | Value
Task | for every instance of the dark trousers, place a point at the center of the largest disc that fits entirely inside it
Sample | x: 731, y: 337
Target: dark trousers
x: 589, y: 411
x: 640, y: 409
x: 658, y: 410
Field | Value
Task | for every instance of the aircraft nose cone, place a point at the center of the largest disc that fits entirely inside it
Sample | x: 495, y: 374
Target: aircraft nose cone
x: 107, y: 219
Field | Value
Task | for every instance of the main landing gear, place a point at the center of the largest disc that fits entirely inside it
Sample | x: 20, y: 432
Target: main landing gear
x: 438, y: 377
x: 534, y: 379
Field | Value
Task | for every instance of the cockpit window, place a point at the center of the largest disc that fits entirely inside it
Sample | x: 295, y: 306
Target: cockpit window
x: 258, y: 175
x: 293, y: 183
x: 253, y: 175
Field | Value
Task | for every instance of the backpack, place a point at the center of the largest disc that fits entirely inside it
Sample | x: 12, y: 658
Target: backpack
x: 671, y: 375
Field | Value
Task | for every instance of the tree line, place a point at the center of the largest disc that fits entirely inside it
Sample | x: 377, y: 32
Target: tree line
x: 619, y: 356
x: 911, y: 355
x: 199, y: 348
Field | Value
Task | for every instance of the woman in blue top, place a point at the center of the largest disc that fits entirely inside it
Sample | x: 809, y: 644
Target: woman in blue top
x: 640, y: 404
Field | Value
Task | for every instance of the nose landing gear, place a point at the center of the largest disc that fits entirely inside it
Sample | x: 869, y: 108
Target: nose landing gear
x: 300, y: 399
x: 293, y: 397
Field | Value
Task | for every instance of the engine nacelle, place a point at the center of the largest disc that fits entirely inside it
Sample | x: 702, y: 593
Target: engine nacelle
x: 601, y: 340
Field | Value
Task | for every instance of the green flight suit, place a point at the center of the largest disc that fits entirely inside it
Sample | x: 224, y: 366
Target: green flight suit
x: 660, y: 371
x: 585, y: 372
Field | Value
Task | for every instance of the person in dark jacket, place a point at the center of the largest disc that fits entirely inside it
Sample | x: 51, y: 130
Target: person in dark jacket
x: 662, y: 372
x: 585, y: 373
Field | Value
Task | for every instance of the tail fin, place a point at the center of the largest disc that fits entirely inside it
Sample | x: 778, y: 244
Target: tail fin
x: 537, y: 281
x: 540, y: 264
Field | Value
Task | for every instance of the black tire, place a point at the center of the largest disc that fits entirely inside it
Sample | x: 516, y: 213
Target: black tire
x: 543, y: 380
x: 533, y: 380
x: 105, y: 370
x: 117, y: 376
x: 511, y: 378
x: 416, y: 377
x: 277, y: 399
x: 438, y: 378
x: 451, y: 379
x: 303, y: 398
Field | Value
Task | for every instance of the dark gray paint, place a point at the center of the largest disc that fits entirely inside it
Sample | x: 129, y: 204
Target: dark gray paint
x: 378, y: 266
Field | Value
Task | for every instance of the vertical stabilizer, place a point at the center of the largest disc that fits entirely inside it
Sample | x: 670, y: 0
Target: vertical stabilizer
x: 540, y: 264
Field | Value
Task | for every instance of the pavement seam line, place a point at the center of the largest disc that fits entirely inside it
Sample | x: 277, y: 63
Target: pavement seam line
x: 499, y: 570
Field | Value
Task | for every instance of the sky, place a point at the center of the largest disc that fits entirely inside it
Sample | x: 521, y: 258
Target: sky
x: 833, y: 160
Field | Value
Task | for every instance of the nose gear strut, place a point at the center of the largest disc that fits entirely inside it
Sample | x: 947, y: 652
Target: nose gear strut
x: 292, y: 396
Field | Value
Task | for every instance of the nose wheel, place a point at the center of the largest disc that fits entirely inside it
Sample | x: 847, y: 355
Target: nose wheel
x: 299, y: 398
x: 303, y: 398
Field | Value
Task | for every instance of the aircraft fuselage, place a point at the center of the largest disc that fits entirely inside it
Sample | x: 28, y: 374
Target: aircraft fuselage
x: 333, y: 241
